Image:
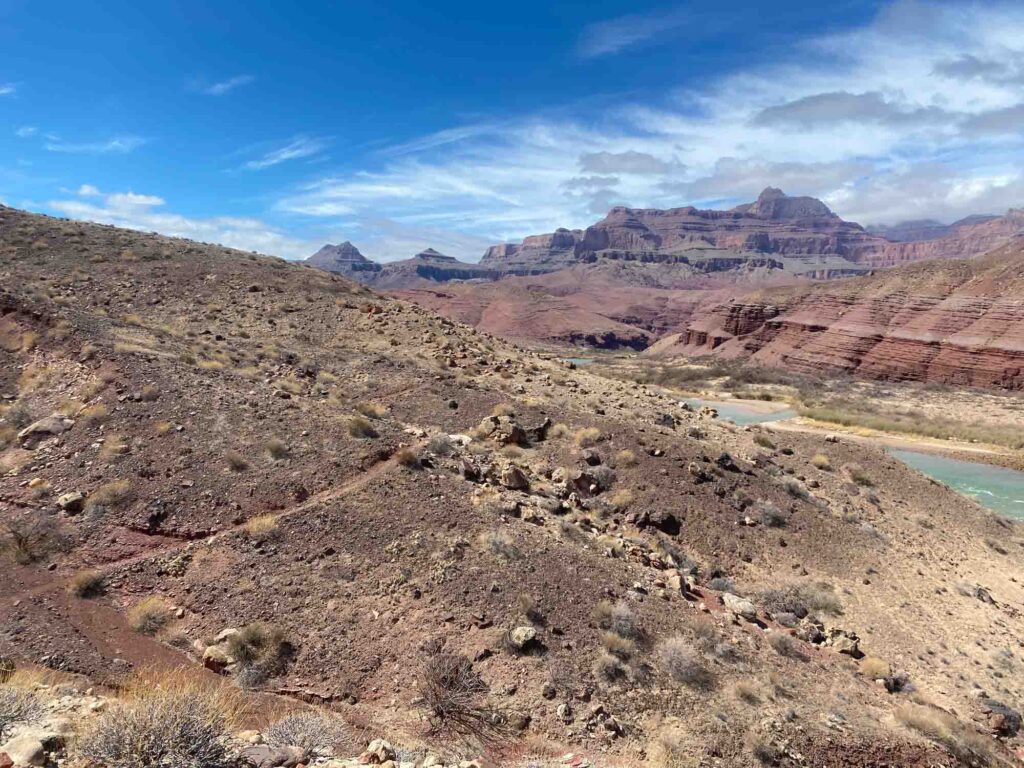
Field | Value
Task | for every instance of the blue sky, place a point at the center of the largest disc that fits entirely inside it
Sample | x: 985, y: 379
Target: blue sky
x: 278, y: 127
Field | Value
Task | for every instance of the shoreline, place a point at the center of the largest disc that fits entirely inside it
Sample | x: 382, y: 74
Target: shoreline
x: 977, y: 453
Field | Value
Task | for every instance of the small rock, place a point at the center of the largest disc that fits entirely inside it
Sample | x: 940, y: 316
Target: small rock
x: 25, y: 750
x: 521, y: 638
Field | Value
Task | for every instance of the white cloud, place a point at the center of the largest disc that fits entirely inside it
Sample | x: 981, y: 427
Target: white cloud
x: 146, y: 213
x: 224, y: 86
x: 613, y: 35
x: 859, y: 118
x: 118, y: 145
x: 26, y: 131
x: 8, y: 89
x: 297, y: 148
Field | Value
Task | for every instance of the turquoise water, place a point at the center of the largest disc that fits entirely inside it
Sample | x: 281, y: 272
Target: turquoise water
x: 741, y: 414
x: 999, y: 489
x: 580, y: 360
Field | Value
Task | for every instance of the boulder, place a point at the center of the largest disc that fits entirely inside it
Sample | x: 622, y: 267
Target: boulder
x: 217, y: 659
x: 513, y: 478
x: 44, y: 428
x: 25, y: 750
x: 740, y: 606
x: 264, y: 756
x: 72, y: 502
x: 1001, y: 720
x: 377, y: 752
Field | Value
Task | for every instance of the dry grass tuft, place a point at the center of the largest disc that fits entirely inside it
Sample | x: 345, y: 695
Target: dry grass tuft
x: 963, y: 742
x: 587, y: 437
x: 110, y: 496
x: 371, y: 410
x: 625, y: 458
x: 149, y: 615
x: 360, y: 426
x: 88, y: 583
x: 874, y: 668
x: 260, y: 525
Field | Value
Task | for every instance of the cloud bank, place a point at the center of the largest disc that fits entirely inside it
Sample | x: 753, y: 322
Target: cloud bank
x: 918, y: 113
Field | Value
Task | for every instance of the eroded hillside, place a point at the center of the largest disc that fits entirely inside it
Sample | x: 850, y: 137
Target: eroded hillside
x: 196, y: 440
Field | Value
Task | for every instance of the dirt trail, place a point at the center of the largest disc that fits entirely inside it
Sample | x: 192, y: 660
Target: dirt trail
x: 106, y: 628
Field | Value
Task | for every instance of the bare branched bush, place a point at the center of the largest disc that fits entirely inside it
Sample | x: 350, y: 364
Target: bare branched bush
x: 31, y: 540
x: 454, y: 697
x: 160, y: 728
x: 17, y: 706
x: 684, y: 664
x: 318, y: 734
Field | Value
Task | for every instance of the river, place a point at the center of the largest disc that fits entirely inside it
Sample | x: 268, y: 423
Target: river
x: 996, y: 488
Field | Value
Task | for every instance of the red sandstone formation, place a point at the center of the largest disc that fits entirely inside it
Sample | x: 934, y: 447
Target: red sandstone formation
x: 948, y: 321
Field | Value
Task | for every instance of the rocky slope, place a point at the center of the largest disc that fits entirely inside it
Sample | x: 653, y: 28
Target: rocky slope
x: 953, y: 322
x: 215, y: 459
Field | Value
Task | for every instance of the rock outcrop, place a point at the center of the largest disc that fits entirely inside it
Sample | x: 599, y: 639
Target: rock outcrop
x: 955, y: 322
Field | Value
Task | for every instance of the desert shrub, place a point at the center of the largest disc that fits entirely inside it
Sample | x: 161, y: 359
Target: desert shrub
x: 558, y: 430
x: 503, y: 409
x: 110, y: 495
x: 617, y: 645
x: 683, y: 664
x: 18, y: 706
x: 587, y: 437
x: 408, y: 458
x: 88, y: 583
x: 319, y: 735
x: 360, y: 426
x: 150, y: 393
x: 747, y: 691
x: 93, y: 415
x: 963, y: 742
x: 609, y: 667
x: 617, y: 618
x: 625, y: 458
x: 236, y: 461
x: 874, y: 668
x: 621, y: 499
x: 859, y: 476
x: 784, y: 645
x: 796, y: 489
x: 149, y: 615
x: 163, y: 427
x: 177, y: 727
x: 821, y: 461
x: 441, y: 445
x: 528, y: 606
x: 500, y: 544
x: 260, y: 652
x: 371, y: 410
x: 801, y: 599
x: 31, y: 540
x: 453, y: 696
x: 722, y: 584
x: 770, y: 515
x: 764, y: 441
x: 277, y: 449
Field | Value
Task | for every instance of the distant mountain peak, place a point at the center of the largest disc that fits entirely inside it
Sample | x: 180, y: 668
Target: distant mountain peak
x: 430, y: 253
x: 343, y: 258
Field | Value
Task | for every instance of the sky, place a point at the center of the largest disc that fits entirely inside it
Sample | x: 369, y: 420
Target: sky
x: 279, y: 127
